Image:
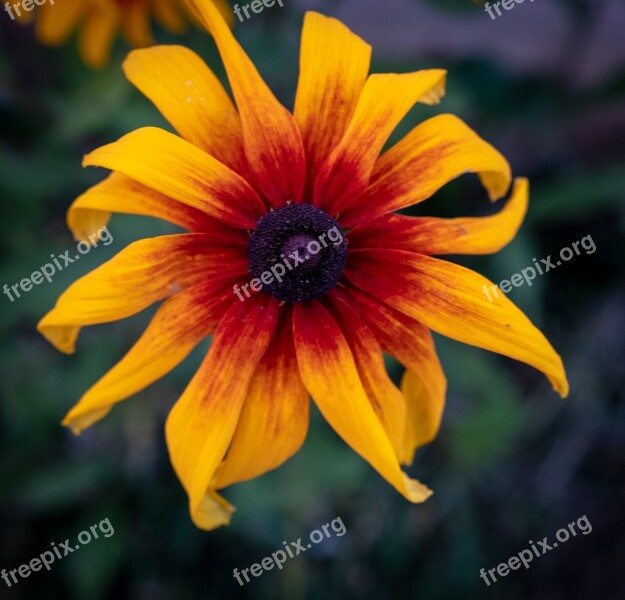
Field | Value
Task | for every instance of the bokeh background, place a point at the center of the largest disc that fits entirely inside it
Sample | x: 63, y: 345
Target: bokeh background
x: 545, y: 83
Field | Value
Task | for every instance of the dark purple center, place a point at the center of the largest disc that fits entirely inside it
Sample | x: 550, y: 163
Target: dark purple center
x: 299, y: 250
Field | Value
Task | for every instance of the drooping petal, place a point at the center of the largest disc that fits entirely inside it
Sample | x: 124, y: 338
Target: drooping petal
x: 141, y: 274
x: 119, y: 193
x: 430, y: 235
x: 192, y: 99
x: 97, y: 33
x: 424, y: 384
x: 55, y: 23
x: 136, y: 25
x: 168, y: 15
x: 451, y: 300
x: 273, y: 144
x: 432, y: 154
x: 274, y: 420
x: 385, y: 100
x: 386, y: 400
x: 172, y: 166
x: 176, y: 328
x: 201, y: 424
x: 330, y: 374
x: 334, y: 64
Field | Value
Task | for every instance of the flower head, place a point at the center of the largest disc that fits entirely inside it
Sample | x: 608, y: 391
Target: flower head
x: 260, y: 190
x: 97, y: 22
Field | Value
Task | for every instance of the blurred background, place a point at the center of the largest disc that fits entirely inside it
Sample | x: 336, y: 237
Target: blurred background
x: 545, y: 83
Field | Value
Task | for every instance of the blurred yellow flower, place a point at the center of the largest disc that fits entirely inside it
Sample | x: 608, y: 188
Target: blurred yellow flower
x: 98, y: 21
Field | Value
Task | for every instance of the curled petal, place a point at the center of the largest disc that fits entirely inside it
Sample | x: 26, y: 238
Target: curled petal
x: 432, y: 154
x: 451, y: 300
x: 430, y: 235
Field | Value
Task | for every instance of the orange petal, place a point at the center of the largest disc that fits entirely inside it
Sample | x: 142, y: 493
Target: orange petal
x: 432, y: 154
x: 118, y: 193
x: 170, y: 165
x: 55, y: 22
x: 192, y: 99
x: 176, y: 328
x: 141, y: 274
x: 136, y: 25
x: 201, y: 424
x: 385, y: 100
x: 387, y: 401
x: 273, y: 144
x: 429, y: 235
x: 451, y: 300
x: 330, y: 374
x: 334, y: 64
x: 274, y: 420
x: 169, y: 17
x: 97, y: 34
x: 424, y: 384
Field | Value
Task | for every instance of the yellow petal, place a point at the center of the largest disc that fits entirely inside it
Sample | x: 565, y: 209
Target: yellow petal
x: 330, y: 374
x: 430, y: 235
x: 334, y: 64
x: 136, y: 25
x: 55, y: 22
x: 451, y: 300
x: 141, y: 274
x: 192, y: 99
x: 273, y: 144
x: 386, y: 400
x: 424, y: 385
x: 97, y: 34
x: 385, y: 100
x: 168, y: 164
x: 168, y: 15
x: 274, y: 420
x: 201, y: 424
x: 432, y: 154
x: 117, y: 193
x: 176, y: 328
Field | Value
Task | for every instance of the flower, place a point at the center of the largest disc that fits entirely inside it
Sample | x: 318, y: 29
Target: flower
x: 254, y: 183
x: 98, y: 20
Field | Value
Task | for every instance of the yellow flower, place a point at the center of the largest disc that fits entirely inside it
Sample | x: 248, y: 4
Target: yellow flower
x: 97, y: 22
x: 255, y: 185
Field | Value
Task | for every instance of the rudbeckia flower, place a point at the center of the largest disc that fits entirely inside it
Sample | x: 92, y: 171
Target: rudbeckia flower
x: 254, y: 184
x: 97, y: 22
